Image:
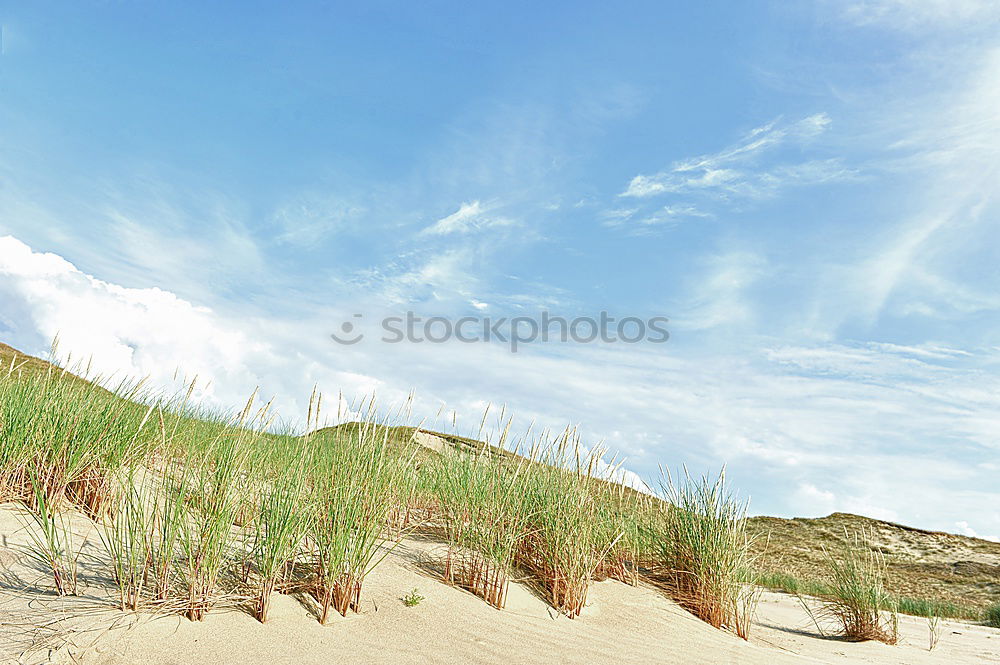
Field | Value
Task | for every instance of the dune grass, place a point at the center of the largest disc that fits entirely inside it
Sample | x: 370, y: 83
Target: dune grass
x: 128, y: 535
x: 706, y: 551
x: 481, y: 503
x: 627, y: 516
x: 355, y: 485
x: 68, y: 436
x: 52, y: 541
x: 992, y: 615
x: 197, y: 508
x: 918, y: 607
x: 858, y: 599
x: 280, y: 525
x: 790, y: 584
x: 566, y: 540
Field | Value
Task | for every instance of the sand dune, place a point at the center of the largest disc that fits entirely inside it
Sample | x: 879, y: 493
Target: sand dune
x: 621, y: 624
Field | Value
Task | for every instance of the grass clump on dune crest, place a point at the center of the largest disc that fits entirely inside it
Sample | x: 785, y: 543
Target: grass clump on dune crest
x: 706, y: 552
x: 216, y: 493
x: 481, y: 503
x: 68, y: 436
x: 355, y: 483
x: 566, y: 540
x: 918, y: 607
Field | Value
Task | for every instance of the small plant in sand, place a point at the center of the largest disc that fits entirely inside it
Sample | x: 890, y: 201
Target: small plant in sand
x: 934, y: 632
x: 166, y: 528
x: 706, y: 552
x: 127, y: 535
x: 413, y: 598
x: 858, y: 600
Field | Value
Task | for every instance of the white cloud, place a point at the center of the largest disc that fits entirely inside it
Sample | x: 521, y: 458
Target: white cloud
x: 141, y: 332
x: 813, y: 501
x: 469, y: 217
x: 617, y: 216
x: 441, y: 275
x: 672, y: 214
x: 661, y: 217
x: 734, y: 173
x: 963, y: 528
x: 139, y: 233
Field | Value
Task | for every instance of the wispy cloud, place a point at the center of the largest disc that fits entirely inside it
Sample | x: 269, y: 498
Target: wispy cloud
x: 672, y: 214
x: 639, y: 221
x: 446, y: 275
x: 310, y: 221
x: 931, y: 260
x: 919, y: 15
x: 471, y: 216
x: 735, y: 172
x: 720, y: 294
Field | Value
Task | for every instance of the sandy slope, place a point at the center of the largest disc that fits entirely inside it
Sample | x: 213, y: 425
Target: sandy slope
x: 621, y: 625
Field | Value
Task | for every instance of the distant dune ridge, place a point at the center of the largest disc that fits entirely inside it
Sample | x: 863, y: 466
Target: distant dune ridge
x: 626, y: 613
x: 945, y: 567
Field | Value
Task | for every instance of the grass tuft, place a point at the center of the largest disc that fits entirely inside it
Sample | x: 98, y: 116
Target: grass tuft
x: 992, y: 615
x: 858, y: 600
x: 706, y: 552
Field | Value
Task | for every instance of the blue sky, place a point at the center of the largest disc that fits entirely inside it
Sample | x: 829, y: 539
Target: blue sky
x: 807, y: 190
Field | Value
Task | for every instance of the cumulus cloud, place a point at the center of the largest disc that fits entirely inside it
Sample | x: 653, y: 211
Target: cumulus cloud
x: 144, y: 332
x: 963, y: 528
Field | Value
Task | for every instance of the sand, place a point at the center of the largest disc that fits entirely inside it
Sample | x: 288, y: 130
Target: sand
x: 621, y: 624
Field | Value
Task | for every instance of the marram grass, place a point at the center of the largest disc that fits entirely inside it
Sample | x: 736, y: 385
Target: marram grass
x: 858, y: 598
x: 992, y: 615
x: 197, y: 508
x: 705, y: 551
